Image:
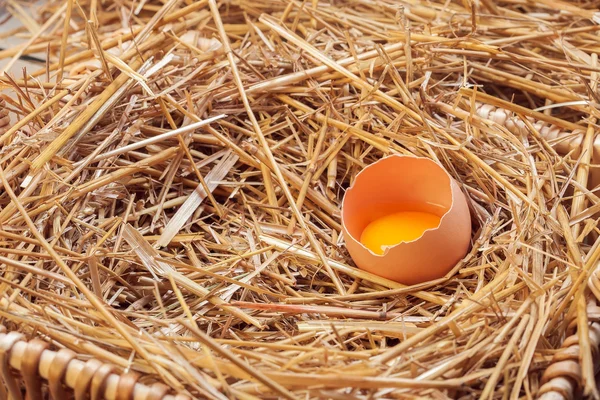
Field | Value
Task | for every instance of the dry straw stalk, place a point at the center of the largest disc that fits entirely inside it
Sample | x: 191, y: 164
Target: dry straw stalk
x: 171, y: 175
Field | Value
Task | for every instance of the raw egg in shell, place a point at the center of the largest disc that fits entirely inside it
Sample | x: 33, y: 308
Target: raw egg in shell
x: 406, y: 219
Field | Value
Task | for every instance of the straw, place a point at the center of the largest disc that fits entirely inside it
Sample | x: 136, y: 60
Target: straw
x: 171, y: 178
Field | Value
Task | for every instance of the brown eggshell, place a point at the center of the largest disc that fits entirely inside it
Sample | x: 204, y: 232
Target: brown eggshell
x: 407, y: 183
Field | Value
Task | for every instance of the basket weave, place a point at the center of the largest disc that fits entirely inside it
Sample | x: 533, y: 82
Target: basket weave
x: 32, y: 366
x: 560, y: 380
x: 4, y: 117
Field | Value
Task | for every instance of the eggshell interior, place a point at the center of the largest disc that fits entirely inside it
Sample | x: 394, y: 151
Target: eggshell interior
x: 407, y: 183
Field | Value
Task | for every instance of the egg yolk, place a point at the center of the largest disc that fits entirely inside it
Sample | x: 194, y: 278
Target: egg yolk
x: 393, y: 229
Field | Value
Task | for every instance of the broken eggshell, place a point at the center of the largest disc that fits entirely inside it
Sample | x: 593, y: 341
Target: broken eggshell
x: 407, y: 183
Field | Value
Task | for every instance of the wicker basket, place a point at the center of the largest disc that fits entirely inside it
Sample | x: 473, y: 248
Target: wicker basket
x: 31, y: 366
x: 560, y: 378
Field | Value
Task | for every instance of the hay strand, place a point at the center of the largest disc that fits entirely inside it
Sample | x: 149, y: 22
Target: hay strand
x: 171, y: 176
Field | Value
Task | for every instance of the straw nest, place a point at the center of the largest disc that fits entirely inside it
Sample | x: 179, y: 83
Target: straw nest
x: 207, y: 255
